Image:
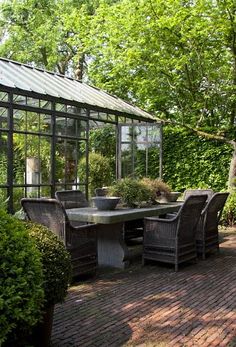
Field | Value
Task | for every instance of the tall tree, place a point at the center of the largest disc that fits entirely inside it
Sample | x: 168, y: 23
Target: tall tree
x: 48, y: 33
x: 175, y: 58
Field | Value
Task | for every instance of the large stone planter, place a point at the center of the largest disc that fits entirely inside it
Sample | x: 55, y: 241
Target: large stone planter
x: 42, y: 332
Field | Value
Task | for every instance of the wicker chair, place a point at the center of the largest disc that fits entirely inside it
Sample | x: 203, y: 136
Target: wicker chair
x: 72, y: 198
x: 81, y: 241
x: 173, y: 240
x: 207, y: 237
x: 188, y: 192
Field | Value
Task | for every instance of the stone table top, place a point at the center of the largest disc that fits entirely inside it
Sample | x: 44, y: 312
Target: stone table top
x: 119, y: 215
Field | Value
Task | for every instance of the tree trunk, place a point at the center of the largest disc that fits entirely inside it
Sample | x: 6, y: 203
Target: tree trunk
x: 232, y: 170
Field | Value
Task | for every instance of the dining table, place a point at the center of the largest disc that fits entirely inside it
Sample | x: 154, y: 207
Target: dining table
x: 112, y: 248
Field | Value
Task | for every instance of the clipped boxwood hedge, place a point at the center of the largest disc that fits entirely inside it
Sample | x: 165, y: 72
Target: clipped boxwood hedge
x: 56, y: 263
x: 21, y: 277
x: 190, y: 161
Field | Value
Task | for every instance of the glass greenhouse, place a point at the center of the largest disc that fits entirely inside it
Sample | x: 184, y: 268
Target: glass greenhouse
x: 46, y: 124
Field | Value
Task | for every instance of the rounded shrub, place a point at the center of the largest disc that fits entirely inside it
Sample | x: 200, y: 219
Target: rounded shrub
x: 56, y: 263
x: 21, y: 277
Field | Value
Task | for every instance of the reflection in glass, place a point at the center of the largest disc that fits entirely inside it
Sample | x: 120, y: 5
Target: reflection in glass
x: 18, y: 194
x: 3, y: 96
x: 71, y: 127
x: 19, y: 142
x: 3, y: 158
x: 19, y: 99
x: 3, y: 195
x: 126, y: 160
x: 19, y: 120
x: 3, y: 117
x: 32, y: 121
x: 46, y: 104
x: 61, y: 107
x: 45, y: 123
x: 60, y: 125
x: 32, y: 102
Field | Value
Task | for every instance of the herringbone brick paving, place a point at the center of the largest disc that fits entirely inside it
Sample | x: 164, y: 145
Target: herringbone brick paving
x: 154, y: 306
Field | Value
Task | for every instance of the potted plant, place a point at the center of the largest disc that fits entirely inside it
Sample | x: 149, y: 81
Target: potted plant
x: 160, y: 189
x: 21, y: 280
x: 133, y: 193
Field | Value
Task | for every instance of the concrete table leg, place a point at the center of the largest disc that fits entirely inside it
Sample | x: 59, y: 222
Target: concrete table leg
x: 112, y: 250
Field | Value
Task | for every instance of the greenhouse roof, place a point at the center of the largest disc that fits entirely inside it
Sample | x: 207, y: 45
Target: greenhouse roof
x: 30, y: 79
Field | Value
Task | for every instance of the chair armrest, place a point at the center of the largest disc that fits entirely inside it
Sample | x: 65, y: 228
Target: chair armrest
x: 164, y: 220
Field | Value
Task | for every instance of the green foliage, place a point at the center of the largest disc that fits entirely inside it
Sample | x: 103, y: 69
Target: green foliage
x: 190, y: 161
x: 100, y: 172
x: 103, y: 140
x: 56, y: 263
x: 132, y: 192
x: 21, y: 278
x: 170, y: 57
x: 157, y: 186
x: 229, y: 213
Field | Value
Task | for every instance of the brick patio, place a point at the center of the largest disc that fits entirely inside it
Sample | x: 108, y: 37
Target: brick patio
x: 154, y: 306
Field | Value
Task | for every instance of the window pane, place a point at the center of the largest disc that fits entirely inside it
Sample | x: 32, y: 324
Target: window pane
x: 61, y: 107
x: 71, y: 127
x: 60, y: 126
x: 19, y: 141
x: 3, y: 158
x: 18, y: 194
x: 45, y: 123
x: 19, y: 120
x: 82, y: 128
x: 45, y: 160
x: 32, y: 121
x: 154, y: 134
x: 3, y: 196
x: 45, y: 192
x: 19, y: 99
x: 32, y: 102
x: 126, y: 134
x: 46, y: 104
x: 140, y: 133
x: 126, y: 160
x: 3, y: 118
x: 3, y: 96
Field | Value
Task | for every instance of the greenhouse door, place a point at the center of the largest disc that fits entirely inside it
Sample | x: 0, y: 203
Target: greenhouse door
x: 139, y: 151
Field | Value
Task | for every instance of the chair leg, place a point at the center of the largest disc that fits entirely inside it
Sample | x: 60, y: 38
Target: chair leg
x: 144, y: 262
x: 176, y: 267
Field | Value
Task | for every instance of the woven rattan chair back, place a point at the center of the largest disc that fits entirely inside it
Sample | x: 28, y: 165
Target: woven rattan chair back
x: 47, y: 212
x: 207, y: 229
x: 72, y: 198
x: 188, y: 192
x: 189, y: 215
x: 80, y: 241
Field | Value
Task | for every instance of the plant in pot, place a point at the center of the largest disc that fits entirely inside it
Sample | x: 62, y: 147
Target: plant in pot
x: 132, y: 192
x: 56, y: 263
x: 21, y: 280
x: 160, y: 190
